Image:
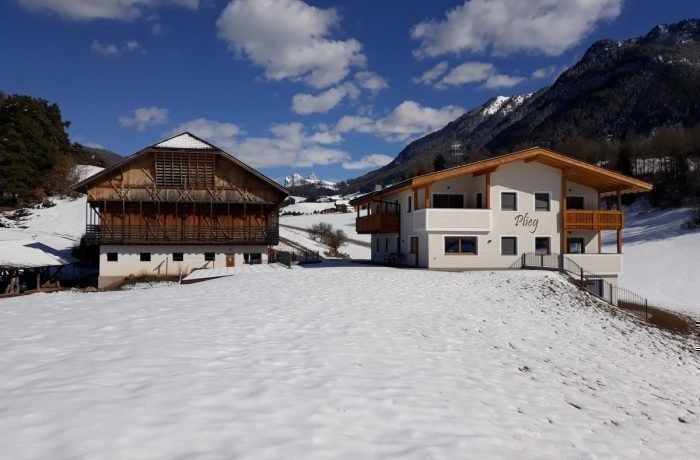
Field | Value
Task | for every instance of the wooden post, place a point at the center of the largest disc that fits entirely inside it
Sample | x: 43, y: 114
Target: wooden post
x: 563, y: 212
x: 600, y: 242
x: 619, y: 228
x: 488, y: 190
x: 38, y: 281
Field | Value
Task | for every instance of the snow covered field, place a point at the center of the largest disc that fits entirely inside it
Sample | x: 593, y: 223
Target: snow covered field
x: 293, y: 228
x: 343, y: 361
x: 661, y: 259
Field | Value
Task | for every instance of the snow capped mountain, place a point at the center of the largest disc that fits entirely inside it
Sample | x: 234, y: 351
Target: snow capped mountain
x: 503, y: 104
x: 296, y: 180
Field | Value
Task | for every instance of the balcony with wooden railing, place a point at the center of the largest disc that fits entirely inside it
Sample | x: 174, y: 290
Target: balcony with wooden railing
x: 378, y: 223
x: 593, y: 220
x: 181, y: 234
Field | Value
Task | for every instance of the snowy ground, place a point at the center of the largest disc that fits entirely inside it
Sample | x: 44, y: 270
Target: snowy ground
x: 293, y: 228
x: 388, y: 363
x: 661, y: 258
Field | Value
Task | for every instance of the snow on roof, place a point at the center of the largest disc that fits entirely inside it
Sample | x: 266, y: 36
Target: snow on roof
x: 28, y: 254
x: 184, y: 141
x: 82, y: 172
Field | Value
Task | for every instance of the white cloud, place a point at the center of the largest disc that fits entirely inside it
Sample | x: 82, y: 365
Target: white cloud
x: 373, y: 160
x: 408, y: 119
x: 476, y: 72
x: 507, y: 26
x: 305, y: 104
x: 85, y: 10
x: 501, y: 81
x: 544, y: 72
x: 371, y: 81
x: 109, y: 49
x: 288, y: 145
x: 469, y: 72
x: 431, y: 75
x: 145, y: 117
x: 290, y: 40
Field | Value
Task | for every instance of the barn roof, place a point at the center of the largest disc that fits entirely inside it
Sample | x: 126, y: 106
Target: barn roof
x: 185, y: 142
x: 28, y: 254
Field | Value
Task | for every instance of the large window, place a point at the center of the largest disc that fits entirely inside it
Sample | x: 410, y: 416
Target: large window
x: 509, y: 246
x: 575, y: 245
x: 574, y: 202
x: 542, y: 245
x: 509, y: 201
x: 541, y: 201
x: 445, y: 200
x: 191, y: 169
x: 460, y: 245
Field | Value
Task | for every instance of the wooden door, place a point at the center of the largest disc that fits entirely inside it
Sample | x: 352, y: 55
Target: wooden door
x: 230, y: 260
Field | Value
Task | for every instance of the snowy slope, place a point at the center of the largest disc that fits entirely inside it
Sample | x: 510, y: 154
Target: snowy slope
x: 358, y: 247
x: 661, y: 259
x: 343, y: 362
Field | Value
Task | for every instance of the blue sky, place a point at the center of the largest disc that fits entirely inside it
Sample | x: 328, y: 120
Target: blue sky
x: 333, y: 87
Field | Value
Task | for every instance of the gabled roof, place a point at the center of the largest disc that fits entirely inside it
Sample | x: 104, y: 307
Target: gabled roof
x: 601, y: 179
x: 185, y: 141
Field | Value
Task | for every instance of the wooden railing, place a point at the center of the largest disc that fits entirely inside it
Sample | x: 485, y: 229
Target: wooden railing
x: 593, y: 220
x: 378, y: 223
x: 181, y: 234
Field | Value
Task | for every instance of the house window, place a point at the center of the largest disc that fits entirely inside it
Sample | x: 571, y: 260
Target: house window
x: 445, y: 200
x: 541, y: 201
x: 574, y: 202
x: 145, y: 257
x: 479, y: 200
x: 509, y: 246
x: 410, y: 204
x: 542, y: 245
x: 209, y: 256
x: 252, y: 258
x: 575, y: 246
x: 112, y: 257
x: 414, y: 245
x: 509, y: 201
x: 177, y: 257
x: 460, y: 245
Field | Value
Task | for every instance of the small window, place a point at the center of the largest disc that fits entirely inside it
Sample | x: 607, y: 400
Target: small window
x: 479, y: 201
x: 409, y: 208
x: 177, y: 257
x: 145, y: 257
x: 542, y: 201
x: 509, y: 201
x: 444, y: 200
x: 574, y: 202
x: 252, y: 258
x: 509, y: 246
x: 460, y: 245
x: 209, y: 256
x: 542, y: 245
x: 112, y: 257
x: 575, y: 246
x: 414, y: 245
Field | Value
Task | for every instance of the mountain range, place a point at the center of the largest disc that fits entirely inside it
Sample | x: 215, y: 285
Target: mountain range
x: 617, y: 90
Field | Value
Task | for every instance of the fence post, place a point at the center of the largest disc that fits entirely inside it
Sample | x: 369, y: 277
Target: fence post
x: 581, y: 277
x: 523, y: 262
x: 646, y: 309
x: 542, y: 260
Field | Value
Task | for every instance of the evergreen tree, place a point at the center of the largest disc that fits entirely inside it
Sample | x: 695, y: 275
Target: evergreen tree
x: 439, y: 163
x: 33, y: 141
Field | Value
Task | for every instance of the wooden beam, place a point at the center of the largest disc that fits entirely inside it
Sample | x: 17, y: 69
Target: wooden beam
x: 485, y: 171
x: 488, y: 190
x: 531, y: 159
x: 600, y: 242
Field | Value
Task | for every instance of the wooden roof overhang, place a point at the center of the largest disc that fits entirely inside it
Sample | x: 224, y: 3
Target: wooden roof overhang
x: 83, y: 185
x: 607, y: 182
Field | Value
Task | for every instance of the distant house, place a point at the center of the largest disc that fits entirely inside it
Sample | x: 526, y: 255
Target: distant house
x: 178, y: 205
x: 29, y: 265
x: 489, y: 213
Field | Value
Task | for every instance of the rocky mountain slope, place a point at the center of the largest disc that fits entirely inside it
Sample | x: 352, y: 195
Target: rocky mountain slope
x: 618, y: 89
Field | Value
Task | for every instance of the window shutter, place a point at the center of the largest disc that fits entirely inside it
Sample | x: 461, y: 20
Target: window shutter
x: 542, y: 201
x: 508, y: 201
x: 509, y: 246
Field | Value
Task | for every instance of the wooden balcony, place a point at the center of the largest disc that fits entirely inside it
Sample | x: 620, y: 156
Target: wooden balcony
x: 378, y: 223
x: 181, y: 234
x: 593, y: 220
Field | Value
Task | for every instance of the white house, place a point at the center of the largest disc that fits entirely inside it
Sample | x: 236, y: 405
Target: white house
x: 488, y: 214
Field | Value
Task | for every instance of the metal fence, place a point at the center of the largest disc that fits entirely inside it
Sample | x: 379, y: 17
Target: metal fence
x: 290, y: 258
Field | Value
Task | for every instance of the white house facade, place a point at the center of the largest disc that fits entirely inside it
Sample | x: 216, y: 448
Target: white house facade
x: 490, y: 214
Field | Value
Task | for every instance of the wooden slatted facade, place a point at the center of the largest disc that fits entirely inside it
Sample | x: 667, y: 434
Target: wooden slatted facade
x: 182, y: 196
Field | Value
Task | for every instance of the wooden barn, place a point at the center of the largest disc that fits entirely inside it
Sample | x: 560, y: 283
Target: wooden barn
x: 179, y: 205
